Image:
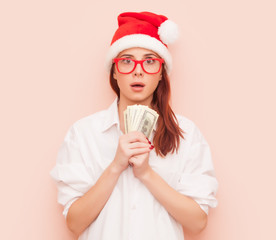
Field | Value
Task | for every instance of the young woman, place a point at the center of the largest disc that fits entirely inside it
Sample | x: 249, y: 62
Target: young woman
x: 117, y: 185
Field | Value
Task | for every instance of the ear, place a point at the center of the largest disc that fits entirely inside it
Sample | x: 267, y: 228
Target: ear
x: 114, y: 75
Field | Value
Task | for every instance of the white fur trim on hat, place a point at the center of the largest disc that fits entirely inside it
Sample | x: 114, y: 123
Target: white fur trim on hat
x: 139, y: 40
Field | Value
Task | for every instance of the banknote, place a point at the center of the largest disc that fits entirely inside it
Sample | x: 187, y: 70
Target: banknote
x: 147, y: 122
x: 140, y: 118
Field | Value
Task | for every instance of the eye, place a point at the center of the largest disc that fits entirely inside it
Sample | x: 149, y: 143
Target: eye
x: 126, y: 61
x: 150, y: 61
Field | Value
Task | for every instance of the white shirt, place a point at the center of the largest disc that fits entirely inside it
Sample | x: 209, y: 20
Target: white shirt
x: 131, y: 212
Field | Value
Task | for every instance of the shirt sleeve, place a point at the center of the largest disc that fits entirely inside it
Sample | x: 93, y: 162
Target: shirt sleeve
x: 198, y: 179
x: 70, y: 173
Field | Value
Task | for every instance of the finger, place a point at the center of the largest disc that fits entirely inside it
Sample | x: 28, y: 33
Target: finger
x: 137, y: 137
x: 139, y: 145
x: 131, y: 161
x: 137, y: 151
x: 134, y: 160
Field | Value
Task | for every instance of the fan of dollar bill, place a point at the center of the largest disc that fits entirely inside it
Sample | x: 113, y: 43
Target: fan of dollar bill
x: 140, y: 118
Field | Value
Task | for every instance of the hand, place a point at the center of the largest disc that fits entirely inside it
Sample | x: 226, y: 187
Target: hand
x: 130, y: 144
x: 140, y: 164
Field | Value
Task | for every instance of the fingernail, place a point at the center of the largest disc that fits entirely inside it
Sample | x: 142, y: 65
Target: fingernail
x: 151, y: 147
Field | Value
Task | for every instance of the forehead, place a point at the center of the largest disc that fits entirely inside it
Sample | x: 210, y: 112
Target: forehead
x: 138, y: 52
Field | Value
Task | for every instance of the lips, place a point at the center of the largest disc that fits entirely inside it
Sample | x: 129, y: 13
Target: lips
x: 137, y: 84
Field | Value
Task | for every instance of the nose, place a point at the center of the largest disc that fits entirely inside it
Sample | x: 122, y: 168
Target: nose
x: 138, y: 71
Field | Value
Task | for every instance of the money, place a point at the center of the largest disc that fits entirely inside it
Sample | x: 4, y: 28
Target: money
x: 140, y: 118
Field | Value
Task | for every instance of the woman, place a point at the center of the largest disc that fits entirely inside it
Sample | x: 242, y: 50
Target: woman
x: 117, y: 185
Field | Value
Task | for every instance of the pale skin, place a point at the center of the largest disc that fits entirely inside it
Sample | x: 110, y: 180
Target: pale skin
x: 133, y: 149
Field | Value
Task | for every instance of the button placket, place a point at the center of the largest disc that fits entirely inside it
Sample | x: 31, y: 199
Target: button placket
x: 134, y: 206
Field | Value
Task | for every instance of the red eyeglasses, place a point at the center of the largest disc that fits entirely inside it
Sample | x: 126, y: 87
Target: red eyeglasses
x: 149, y: 65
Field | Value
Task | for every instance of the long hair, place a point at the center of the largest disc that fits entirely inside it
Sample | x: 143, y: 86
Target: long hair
x: 168, y: 132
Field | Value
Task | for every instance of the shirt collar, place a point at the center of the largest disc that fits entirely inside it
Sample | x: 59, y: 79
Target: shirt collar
x: 111, y: 116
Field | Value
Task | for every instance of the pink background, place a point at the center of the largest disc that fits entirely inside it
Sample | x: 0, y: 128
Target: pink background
x: 52, y: 74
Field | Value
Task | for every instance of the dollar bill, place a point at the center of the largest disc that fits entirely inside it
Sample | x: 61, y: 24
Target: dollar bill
x: 140, y: 118
x: 125, y: 121
x: 147, y: 122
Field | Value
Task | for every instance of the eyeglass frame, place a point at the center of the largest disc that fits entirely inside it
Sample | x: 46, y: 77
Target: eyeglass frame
x: 116, y: 60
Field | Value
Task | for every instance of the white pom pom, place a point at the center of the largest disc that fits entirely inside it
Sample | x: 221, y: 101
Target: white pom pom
x: 168, y: 32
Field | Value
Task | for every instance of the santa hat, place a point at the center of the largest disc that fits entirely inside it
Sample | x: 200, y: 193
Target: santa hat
x: 145, y: 30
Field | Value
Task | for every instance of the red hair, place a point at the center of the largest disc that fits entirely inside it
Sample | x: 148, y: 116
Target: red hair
x: 168, y: 132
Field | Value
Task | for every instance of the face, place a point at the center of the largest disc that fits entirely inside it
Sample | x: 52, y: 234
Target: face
x: 137, y: 86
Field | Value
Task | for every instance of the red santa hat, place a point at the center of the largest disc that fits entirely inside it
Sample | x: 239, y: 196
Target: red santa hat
x: 145, y: 30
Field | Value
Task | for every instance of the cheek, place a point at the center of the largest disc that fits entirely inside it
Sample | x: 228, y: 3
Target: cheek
x: 155, y: 82
x: 121, y: 81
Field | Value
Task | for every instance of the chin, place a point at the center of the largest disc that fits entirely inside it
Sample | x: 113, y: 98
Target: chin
x: 140, y: 99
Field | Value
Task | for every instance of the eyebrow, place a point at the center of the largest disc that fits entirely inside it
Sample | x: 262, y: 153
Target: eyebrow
x: 146, y: 55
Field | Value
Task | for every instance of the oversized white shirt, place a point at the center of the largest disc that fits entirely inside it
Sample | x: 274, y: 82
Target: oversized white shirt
x: 131, y: 212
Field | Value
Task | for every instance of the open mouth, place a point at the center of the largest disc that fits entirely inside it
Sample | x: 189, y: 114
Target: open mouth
x: 137, y: 85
